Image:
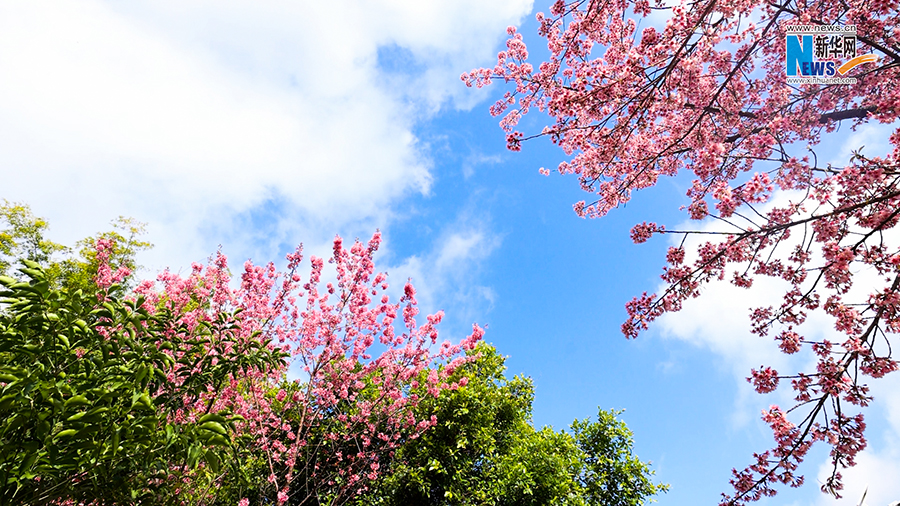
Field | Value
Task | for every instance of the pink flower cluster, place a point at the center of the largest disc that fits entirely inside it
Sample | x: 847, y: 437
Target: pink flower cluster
x: 106, y: 276
x: 356, y: 352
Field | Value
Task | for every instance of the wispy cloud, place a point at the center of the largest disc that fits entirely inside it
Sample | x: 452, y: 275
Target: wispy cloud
x: 475, y: 159
x: 446, y: 276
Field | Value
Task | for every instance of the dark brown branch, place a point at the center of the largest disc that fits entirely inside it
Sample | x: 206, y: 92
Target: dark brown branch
x: 709, y: 108
x: 859, y: 112
x: 733, y: 138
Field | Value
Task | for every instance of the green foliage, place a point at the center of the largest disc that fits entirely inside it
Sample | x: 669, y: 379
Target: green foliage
x: 485, y: 450
x: 22, y: 236
x: 611, y: 474
x: 86, y: 406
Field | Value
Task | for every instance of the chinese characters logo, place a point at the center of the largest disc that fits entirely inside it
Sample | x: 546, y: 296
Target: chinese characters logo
x: 822, y: 54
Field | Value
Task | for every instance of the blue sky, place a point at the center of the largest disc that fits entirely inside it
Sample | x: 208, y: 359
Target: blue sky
x: 257, y: 127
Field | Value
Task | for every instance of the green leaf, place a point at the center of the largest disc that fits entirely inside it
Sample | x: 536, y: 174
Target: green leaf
x: 212, y: 417
x: 193, y: 455
x: 115, y: 440
x: 7, y: 400
x: 141, y: 373
x: 213, y: 460
x: 42, y: 287
x: 43, y: 428
x: 214, y: 427
x: 33, y: 272
x: 78, y: 400
x: 218, y: 440
x: 30, y: 264
x: 27, y: 465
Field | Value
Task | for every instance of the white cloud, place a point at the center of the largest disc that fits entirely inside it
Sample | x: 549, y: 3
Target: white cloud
x: 870, y: 139
x: 197, y: 116
x: 877, y: 467
x: 445, y: 277
x: 474, y: 160
x: 719, y: 321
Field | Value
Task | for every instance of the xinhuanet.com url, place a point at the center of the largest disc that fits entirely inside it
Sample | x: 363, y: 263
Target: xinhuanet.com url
x: 821, y: 80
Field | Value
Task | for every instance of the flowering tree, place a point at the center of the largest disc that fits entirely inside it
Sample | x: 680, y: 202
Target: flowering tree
x: 184, y: 388
x: 708, y: 93
x: 323, y: 435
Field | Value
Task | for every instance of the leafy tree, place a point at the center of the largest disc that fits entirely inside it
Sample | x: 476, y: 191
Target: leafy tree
x: 708, y: 93
x: 88, y: 407
x: 484, y: 450
x: 23, y: 236
x: 610, y: 474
